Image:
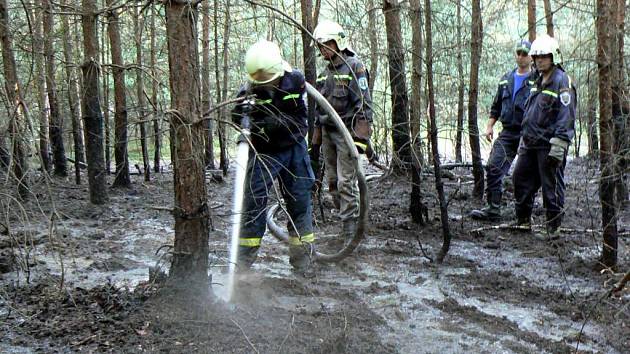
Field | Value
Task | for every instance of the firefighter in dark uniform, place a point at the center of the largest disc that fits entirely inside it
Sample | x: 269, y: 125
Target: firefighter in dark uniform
x: 507, y: 107
x: 278, y: 127
x: 344, y: 83
x: 548, y: 127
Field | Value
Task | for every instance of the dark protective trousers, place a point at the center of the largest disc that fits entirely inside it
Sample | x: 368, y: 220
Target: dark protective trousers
x: 292, y: 167
x: 501, y: 157
x: 531, y: 172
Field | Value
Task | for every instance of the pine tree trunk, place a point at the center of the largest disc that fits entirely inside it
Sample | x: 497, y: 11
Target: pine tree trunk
x: 205, y: 82
x: 593, y: 139
x: 108, y: 145
x: 606, y: 153
x: 417, y: 208
x: 308, y: 53
x: 56, y: 120
x: 373, y: 41
x: 225, y: 163
x: 460, y: 87
x: 548, y: 17
x: 190, y: 255
x: 157, y: 135
x: 531, y: 19
x: 91, y: 108
x: 139, y: 24
x: 122, y: 178
x: 17, y: 126
x: 398, y: 87
x: 73, y: 99
x: 40, y: 86
x: 620, y: 105
x: 473, y: 131
x: 439, y: 187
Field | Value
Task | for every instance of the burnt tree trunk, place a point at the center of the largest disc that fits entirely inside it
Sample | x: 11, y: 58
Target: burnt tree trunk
x: 460, y: 87
x: 55, y: 126
x: 139, y: 24
x: 531, y: 19
x: 473, y: 130
x: 548, y: 17
x: 606, y: 150
x: 417, y: 208
x: 205, y: 84
x: 439, y: 187
x: 91, y: 107
x: 190, y: 255
x: 73, y: 99
x: 108, y: 155
x: 398, y: 86
x: 122, y: 178
x: 17, y: 126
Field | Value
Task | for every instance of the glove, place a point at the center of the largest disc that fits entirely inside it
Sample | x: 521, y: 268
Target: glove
x: 241, y: 110
x: 557, y: 152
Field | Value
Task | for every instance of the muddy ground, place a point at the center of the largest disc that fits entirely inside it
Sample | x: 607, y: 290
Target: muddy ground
x: 81, y: 283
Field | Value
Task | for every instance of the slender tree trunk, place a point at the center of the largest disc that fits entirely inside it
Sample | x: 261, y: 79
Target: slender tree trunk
x: 606, y: 153
x: 446, y: 234
x: 417, y: 208
x: 56, y: 120
x: 157, y: 135
x: 40, y: 85
x: 398, y: 86
x: 17, y: 120
x: 91, y: 108
x: 73, y: 99
x: 308, y: 53
x: 122, y: 178
x: 224, y: 113
x: 190, y: 255
x: 531, y: 19
x: 205, y: 82
x: 460, y: 87
x: 139, y: 24
x: 108, y: 155
x: 620, y: 105
x: 373, y: 40
x: 476, y: 45
x: 593, y: 141
x: 548, y: 17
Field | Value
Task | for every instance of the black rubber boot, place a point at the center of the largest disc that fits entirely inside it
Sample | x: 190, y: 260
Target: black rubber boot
x: 492, y: 212
x: 522, y: 224
x: 553, y: 223
x: 246, y: 258
x: 301, y: 258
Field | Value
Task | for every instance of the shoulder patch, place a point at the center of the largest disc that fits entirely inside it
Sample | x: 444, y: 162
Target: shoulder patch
x: 565, y: 98
x: 363, y: 83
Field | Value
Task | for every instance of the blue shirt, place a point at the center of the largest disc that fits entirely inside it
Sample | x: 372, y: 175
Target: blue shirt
x: 518, y: 81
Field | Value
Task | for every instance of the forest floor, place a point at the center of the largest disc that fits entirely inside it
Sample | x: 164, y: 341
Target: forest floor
x: 82, y: 285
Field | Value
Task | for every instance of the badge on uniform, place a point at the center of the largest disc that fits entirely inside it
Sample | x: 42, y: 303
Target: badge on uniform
x: 363, y: 83
x: 565, y: 98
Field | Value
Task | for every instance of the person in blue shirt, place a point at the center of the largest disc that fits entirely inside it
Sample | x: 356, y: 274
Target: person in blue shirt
x: 508, y: 108
x: 548, y: 128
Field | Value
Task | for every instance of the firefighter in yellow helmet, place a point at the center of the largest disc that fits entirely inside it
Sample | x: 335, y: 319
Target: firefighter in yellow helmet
x: 344, y: 83
x: 278, y: 127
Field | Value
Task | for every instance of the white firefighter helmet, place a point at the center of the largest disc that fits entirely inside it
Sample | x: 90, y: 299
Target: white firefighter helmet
x: 332, y: 31
x: 264, y: 63
x: 543, y: 45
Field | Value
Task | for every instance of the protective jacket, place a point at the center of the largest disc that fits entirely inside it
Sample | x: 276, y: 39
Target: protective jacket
x: 550, y: 111
x: 507, y: 110
x: 345, y: 86
x: 278, y: 117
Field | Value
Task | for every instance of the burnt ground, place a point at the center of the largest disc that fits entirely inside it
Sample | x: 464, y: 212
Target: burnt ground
x: 81, y: 283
